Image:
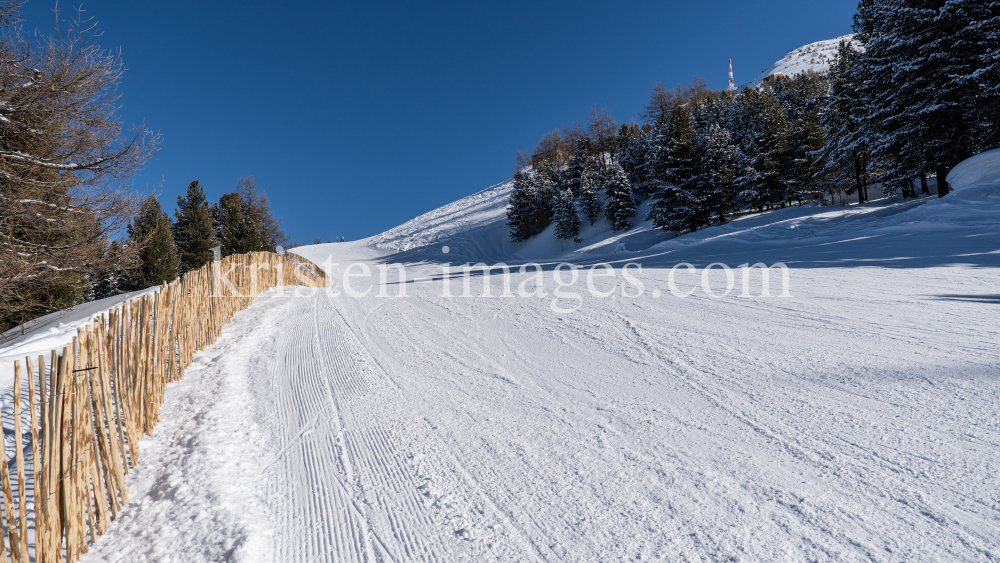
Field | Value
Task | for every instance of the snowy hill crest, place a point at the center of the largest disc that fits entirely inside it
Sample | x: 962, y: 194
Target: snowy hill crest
x: 815, y: 56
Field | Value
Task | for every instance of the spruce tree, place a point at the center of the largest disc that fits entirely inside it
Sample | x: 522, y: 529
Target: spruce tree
x: 717, y: 173
x: 922, y: 68
x: 680, y: 203
x: 112, y: 280
x: 520, y: 207
x: 762, y: 122
x: 655, y: 167
x: 987, y: 111
x: 542, y: 197
x: 546, y: 191
x: 846, y: 156
x: 681, y: 163
x: 158, y: 259
x: 236, y: 229
x: 799, y: 95
x: 590, y: 185
x: 194, y: 232
x: 566, y: 220
x: 574, y: 173
x: 620, y: 206
x: 634, y: 145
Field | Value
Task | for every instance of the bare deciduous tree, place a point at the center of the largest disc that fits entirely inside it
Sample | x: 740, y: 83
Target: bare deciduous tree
x: 603, y: 132
x: 64, y: 164
x: 662, y: 100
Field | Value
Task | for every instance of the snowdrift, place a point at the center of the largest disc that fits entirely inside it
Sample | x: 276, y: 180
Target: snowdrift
x: 982, y: 169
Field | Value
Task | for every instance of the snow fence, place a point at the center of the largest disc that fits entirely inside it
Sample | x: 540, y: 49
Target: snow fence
x: 88, y: 409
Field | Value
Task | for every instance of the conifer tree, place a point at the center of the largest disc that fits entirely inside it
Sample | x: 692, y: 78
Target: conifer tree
x: 65, y: 165
x: 158, y: 259
x: 257, y: 208
x: 846, y: 156
x: 576, y: 165
x: 922, y: 67
x: 236, y: 229
x: 566, y: 220
x: 194, y: 232
x: 717, y: 173
x: 634, y: 146
x: 546, y: 191
x: 681, y: 163
x: 762, y: 122
x: 655, y: 167
x: 799, y: 95
x: 987, y: 111
x: 590, y: 185
x: 620, y: 206
x: 680, y: 203
x: 520, y: 207
x: 112, y: 280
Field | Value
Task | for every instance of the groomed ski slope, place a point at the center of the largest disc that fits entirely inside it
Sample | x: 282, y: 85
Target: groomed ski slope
x: 857, y: 420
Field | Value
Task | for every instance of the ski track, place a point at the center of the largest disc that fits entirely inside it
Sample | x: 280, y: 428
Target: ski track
x: 351, y: 498
x: 433, y: 429
x: 474, y: 429
x: 858, y: 420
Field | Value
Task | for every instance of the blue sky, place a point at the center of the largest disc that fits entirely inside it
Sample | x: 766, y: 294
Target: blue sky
x: 357, y: 117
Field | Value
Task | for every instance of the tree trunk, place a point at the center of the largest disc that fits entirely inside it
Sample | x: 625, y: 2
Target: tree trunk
x: 857, y: 177
x: 942, y: 173
x: 923, y: 184
x: 864, y: 176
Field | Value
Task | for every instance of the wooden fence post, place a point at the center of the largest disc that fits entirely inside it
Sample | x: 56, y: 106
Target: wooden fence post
x: 35, y: 450
x: 22, y: 493
x: 8, y: 501
x: 106, y: 390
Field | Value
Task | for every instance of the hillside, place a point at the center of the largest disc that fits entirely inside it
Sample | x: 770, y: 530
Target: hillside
x: 816, y: 57
x: 855, y: 419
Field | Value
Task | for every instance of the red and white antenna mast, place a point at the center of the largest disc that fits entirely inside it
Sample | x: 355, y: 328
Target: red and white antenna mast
x: 732, y: 83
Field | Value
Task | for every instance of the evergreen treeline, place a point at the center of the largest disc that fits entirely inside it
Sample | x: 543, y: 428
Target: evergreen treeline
x: 240, y: 222
x: 917, y: 92
x: 65, y: 159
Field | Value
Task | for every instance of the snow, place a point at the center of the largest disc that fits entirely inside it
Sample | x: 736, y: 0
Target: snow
x: 984, y: 169
x: 817, y: 57
x: 195, y: 491
x: 51, y: 332
x: 856, y: 420
x: 474, y: 223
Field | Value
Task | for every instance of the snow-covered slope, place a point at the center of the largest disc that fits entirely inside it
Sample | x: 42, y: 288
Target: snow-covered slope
x: 472, y: 225
x: 51, y: 332
x: 857, y: 419
x: 816, y: 57
x: 475, y: 229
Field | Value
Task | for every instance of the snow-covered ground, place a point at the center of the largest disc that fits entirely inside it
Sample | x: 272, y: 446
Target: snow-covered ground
x: 53, y: 331
x: 857, y: 419
x: 817, y: 57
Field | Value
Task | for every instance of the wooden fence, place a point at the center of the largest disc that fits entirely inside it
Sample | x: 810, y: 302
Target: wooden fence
x: 103, y: 392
